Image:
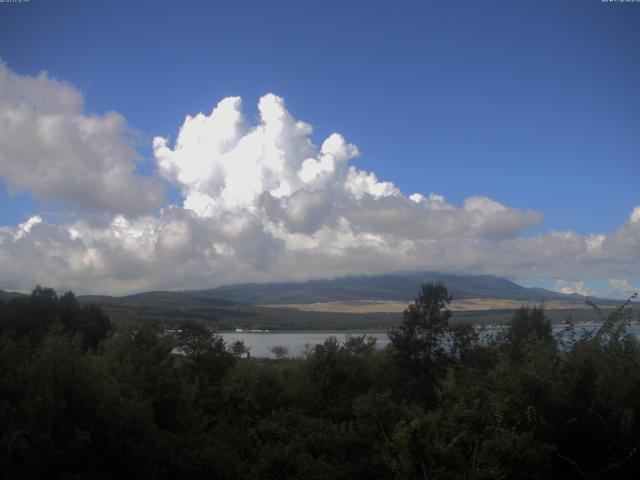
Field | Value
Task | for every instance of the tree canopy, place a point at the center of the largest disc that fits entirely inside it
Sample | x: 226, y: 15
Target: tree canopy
x: 82, y: 399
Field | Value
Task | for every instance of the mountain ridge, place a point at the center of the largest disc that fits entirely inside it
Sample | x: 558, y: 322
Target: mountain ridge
x: 398, y: 286
x: 268, y: 305
x: 394, y: 286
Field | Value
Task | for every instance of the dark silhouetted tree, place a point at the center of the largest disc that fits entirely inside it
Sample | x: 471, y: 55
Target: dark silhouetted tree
x: 418, y: 342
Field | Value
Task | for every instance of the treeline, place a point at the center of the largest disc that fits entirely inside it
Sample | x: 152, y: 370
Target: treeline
x: 80, y: 400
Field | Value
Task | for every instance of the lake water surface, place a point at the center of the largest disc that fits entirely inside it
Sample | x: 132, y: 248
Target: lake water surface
x: 261, y: 343
x: 295, y: 342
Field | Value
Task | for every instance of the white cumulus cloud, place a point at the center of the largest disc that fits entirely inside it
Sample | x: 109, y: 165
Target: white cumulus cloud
x: 580, y: 288
x: 262, y: 202
x: 52, y: 149
x: 622, y: 288
x: 272, y: 169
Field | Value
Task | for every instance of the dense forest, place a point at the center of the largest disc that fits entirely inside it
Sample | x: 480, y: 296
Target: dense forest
x: 80, y: 399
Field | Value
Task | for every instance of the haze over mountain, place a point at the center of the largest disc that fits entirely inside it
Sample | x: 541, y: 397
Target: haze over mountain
x: 400, y: 286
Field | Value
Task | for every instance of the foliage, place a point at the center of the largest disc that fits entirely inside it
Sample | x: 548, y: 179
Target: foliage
x: 418, y: 343
x: 529, y: 325
x: 79, y: 399
x: 279, y: 351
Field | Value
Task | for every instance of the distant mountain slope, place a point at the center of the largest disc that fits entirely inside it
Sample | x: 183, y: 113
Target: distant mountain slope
x: 175, y: 307
x: 167, y: 305
x: 160, y: 299
x: 401, y: 287
x: 244, y: 305
x: 6, y: 296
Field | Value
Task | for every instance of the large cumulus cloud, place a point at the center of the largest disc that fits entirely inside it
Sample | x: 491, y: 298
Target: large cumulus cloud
x: 272, y: 170
x: 52, y: 149
x: 261, y: 202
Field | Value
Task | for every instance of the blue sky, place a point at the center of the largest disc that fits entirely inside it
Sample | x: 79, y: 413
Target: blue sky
x: 535, y: 105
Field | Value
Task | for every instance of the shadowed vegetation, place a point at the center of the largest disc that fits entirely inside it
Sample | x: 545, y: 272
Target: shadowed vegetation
x: 82, y: 399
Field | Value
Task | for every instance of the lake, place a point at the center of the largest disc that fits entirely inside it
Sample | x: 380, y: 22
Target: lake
x: 295, y: 342
x: 260, y: 343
